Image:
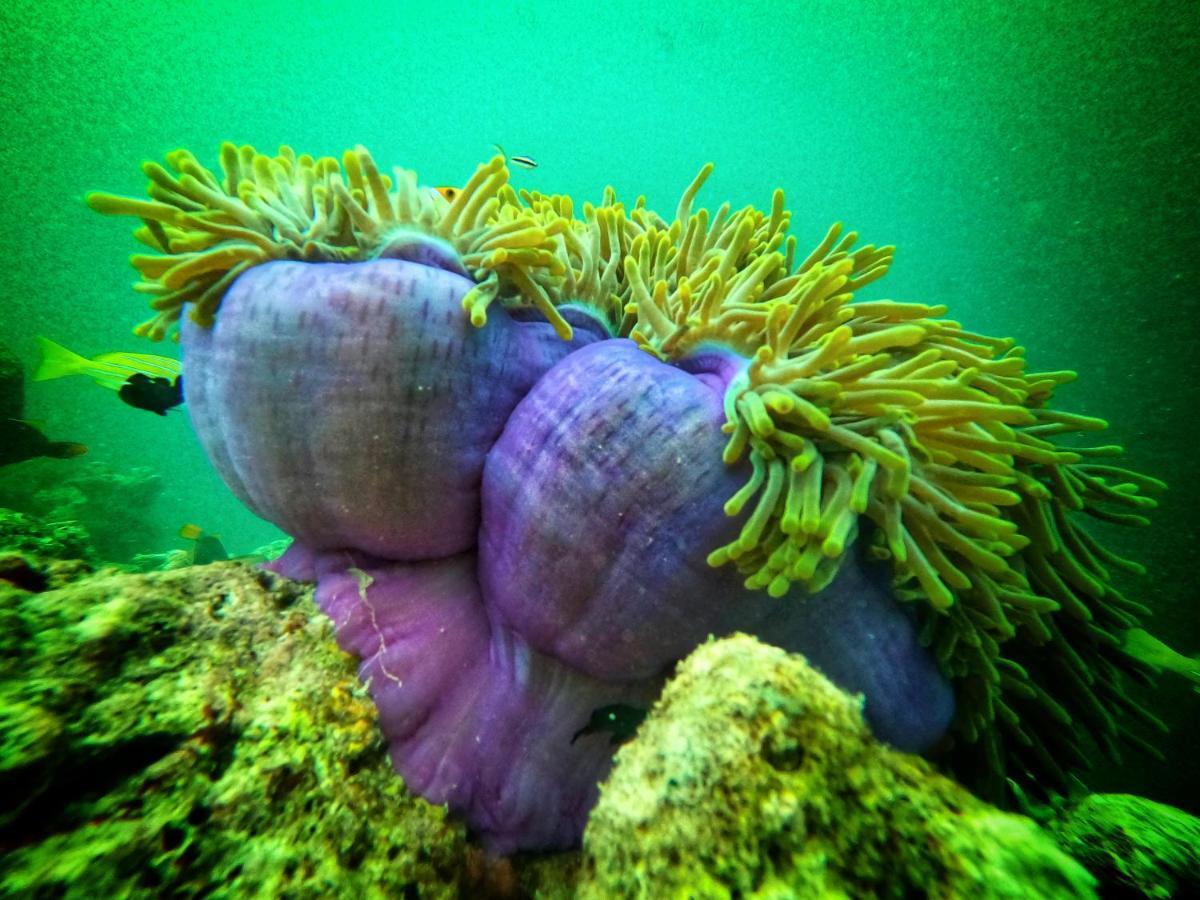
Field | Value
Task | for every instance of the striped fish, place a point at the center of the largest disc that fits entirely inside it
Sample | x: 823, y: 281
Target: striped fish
x: 448, y: 192
x: 110, y: 370
x: 525, y: 162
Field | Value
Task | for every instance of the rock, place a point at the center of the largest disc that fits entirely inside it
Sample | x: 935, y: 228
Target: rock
x: 36, y: 556
x: 62, y: 540
x: 198, y: 731
x: 180, y: 733
x: 754, y: 776
x: 1134, y: 846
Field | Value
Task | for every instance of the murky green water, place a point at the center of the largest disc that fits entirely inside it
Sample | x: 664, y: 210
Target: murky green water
x: 1035, y: 163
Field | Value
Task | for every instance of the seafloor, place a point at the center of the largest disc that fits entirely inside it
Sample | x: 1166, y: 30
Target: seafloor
x: 197, y: 733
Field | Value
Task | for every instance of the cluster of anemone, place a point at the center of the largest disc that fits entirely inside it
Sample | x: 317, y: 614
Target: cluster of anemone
x: 849, y: 412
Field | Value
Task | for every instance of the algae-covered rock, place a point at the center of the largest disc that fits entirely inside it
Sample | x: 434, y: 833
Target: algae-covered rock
x: 198, y: 733
x: 40, y: 556
x: 1136, y: 847
x: 754, y: 776
x: 23, y: 533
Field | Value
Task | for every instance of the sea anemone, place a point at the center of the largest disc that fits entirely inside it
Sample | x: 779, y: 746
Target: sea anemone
x: 690, y: 382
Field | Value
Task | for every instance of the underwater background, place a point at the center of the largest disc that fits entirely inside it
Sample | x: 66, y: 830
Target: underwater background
x: 1035, y: 164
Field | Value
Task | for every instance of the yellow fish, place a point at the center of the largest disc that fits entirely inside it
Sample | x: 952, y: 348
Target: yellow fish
x: 206, y: 547
x: 110, y: 370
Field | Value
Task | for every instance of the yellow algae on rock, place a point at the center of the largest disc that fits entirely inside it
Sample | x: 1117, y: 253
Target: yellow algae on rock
x: 198, y: 732
x: 1136, y: 847
x: 754, y: 776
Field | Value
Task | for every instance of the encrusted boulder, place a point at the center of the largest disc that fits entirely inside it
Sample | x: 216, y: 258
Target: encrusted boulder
x: 177, y: 733
x: 1134, y: 846
x: 755, y: 776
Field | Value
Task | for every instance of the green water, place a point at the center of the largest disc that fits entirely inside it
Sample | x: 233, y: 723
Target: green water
x: 1034, y: 162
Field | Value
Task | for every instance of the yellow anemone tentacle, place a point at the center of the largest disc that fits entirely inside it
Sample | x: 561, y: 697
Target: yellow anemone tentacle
x: 203, y: 226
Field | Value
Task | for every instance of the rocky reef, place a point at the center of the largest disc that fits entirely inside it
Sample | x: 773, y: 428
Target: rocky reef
x: 37, y: 555
x: 93, y: 495
x: 198, y: 733
x: 754, y: 776
x: 1136, y: 847
x: 166, y: 734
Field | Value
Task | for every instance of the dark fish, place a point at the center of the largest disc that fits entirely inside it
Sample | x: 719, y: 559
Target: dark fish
x: 19, y: 441
x: 206, y: 548
x: 154, y: 394
x: 618, y: 720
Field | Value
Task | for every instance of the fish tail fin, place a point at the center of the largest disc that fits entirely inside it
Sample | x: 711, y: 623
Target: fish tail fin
x: 57, y: 361
x: 65, y: 449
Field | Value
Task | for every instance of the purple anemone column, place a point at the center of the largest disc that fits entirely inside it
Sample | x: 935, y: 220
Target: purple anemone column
x: 353, y: 404
x: 509, y: 530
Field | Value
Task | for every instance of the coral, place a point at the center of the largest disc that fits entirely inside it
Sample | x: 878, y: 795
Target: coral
x: 754, y: 776
x: 698, y: 396
x: 188, y: 732
x: 1134, y: 846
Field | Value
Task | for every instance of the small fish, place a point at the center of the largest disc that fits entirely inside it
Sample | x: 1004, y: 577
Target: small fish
x: 525, y: 162
x: 110, y: 370
x: 449, y: 193
x: 618, y: 720
x: 206, y: 548
x: 1144, y: 646
x: 21, y: 440
x: 156, y: 395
